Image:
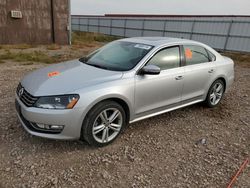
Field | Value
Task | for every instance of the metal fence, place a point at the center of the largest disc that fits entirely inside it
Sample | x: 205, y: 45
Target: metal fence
x: 230, y: 33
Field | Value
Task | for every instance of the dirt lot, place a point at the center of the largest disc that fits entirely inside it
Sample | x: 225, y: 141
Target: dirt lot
x: 190, y: 147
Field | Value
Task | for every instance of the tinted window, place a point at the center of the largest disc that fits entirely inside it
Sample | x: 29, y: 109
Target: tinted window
x: 167, y: 58
x: 117, y: 56
x: 195, y: 55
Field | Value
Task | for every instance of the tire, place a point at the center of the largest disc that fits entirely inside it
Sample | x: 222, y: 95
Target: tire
x: 103, y: 124
x: 215, y: 93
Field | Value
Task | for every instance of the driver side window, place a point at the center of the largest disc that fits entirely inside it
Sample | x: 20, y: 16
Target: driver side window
x: 167, y: 58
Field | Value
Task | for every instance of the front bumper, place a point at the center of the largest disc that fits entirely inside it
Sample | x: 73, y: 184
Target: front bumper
x: 71, y: 119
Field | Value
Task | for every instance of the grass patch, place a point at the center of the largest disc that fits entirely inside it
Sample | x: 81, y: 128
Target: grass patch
x: 28, y: 63
x: 79, y: 38
x: 17, y: 46
x: 82, y: 46
x: 53, y: 47
x: 36, y: 56
x: 1, y: 61
x: 240, y: 58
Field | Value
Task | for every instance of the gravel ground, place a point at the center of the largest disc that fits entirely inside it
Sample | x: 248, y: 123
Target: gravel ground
x: 191, y: 147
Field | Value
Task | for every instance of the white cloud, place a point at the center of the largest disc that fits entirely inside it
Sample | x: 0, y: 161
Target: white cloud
x: 203, y: 7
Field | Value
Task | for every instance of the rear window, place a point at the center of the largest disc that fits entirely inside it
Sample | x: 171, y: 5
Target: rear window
x: 195, y: 55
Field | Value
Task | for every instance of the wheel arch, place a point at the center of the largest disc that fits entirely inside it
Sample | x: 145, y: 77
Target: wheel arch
x: 207, y: 99
x: 116, y: 98
x: 97, y: 104
x: 222, y: 78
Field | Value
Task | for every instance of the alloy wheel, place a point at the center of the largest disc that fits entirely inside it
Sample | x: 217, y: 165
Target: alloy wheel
x: 216, y: 93
x: 107, y: 125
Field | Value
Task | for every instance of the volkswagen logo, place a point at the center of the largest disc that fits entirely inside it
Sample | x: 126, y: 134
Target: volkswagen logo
x: 20, y: 92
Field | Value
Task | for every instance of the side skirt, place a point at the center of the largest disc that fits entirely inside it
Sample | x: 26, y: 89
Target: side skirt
x: 166, y: 110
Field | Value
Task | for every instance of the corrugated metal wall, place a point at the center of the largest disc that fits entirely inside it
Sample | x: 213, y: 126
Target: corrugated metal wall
x: 223, y: 33
x: 38, y: 24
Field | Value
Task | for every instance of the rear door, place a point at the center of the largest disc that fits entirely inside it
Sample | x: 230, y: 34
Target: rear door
x: 199, y: 70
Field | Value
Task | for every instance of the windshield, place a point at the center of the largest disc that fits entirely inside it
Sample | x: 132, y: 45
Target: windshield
x: 117, y: 56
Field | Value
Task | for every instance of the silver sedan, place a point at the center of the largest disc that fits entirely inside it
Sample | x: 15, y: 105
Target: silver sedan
x: 127, y: 80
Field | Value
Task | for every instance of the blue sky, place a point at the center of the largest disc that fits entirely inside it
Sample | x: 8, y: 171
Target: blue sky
x: 207, y: 7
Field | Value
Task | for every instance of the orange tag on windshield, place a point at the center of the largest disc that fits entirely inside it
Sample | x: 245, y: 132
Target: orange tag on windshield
x: 188, y: 53
x: 55, y: 73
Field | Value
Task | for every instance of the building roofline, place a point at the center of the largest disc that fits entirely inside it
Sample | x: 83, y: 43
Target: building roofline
x: 169, y: 15
x: 161, y: 16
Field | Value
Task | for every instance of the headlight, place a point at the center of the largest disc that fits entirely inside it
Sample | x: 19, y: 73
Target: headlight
x: 57, y: 102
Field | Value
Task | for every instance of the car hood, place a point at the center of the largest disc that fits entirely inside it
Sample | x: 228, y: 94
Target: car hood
x: 63, y: 78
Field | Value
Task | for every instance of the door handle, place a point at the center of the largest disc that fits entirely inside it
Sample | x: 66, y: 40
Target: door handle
x: 211, y: 71
x: 179, y: 77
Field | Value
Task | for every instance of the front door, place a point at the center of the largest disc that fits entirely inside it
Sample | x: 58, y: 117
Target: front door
x: 154, y: 93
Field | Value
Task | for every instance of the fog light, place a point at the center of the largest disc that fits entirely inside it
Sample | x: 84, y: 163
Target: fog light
x: 49, y: 127
x: 42, y: 126
x: 58, y: 127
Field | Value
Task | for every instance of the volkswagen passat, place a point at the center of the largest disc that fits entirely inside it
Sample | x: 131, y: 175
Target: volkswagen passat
x: 93, y: 98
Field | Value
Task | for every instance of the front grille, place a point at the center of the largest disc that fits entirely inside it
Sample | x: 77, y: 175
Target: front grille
x: 25, y: 97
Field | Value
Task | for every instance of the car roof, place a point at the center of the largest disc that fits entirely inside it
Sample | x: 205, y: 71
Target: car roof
x: 159, y: 41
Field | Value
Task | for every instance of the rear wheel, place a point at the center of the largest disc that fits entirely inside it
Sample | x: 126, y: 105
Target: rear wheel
x: 215, y: 93
x: 103, y: 123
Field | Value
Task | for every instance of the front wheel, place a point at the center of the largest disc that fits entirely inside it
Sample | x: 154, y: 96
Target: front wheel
x: 103, y: 123
x: 215, y: 93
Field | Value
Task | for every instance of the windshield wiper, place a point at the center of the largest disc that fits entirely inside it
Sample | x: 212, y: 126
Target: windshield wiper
x: 83, y: 59
x: 98, y: 66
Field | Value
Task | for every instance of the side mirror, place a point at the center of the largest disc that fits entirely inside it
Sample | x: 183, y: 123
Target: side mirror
x: 150, y: 69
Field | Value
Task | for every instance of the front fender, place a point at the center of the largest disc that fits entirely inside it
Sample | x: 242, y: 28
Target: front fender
x: 89, y: 97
